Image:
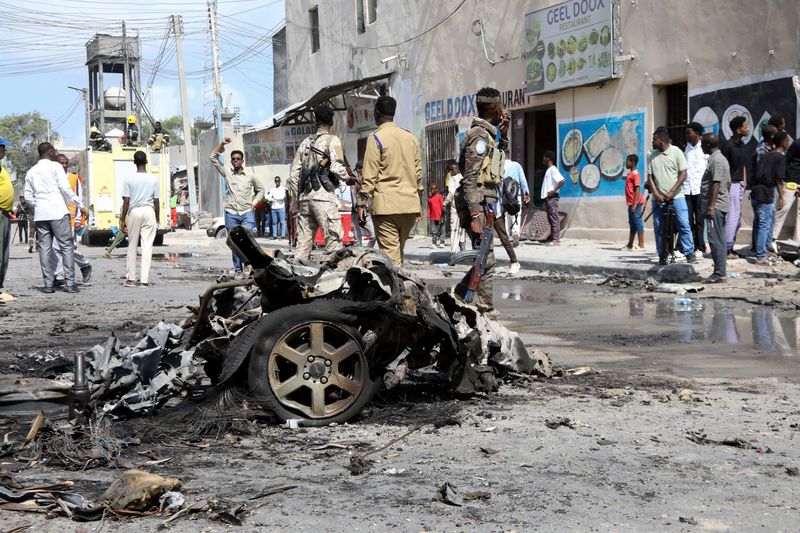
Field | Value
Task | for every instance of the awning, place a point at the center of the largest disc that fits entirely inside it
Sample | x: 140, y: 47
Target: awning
x: 302, y: 112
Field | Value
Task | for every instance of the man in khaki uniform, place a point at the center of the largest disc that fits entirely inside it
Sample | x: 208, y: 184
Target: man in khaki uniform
x: 392, y: 178
x: 313, y: 185
x: 481, y: 163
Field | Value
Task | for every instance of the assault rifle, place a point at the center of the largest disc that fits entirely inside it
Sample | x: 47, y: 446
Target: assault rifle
x: 479, y: 266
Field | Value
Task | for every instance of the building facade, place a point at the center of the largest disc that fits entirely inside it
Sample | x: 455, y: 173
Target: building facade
x: 588, y: 79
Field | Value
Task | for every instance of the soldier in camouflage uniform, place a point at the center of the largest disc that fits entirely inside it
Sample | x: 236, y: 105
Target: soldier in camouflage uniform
x: 481, y: 164
x: 317, y: 205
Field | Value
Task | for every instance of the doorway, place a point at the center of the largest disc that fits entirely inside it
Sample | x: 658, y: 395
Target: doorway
x: 533, y: 132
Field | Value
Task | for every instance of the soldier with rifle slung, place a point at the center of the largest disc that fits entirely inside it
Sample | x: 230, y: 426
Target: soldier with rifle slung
x: 316, y: 172
x: 481, y: 164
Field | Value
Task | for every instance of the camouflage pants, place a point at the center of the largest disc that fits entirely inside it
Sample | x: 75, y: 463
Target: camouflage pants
x: 485, y: 299
x: 316, y: 214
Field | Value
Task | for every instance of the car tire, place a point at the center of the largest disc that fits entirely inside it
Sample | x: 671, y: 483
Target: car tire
x: 307, y: 363
x: 221, y: 233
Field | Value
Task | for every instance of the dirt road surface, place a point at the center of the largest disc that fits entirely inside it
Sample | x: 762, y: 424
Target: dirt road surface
x: 606, y: 450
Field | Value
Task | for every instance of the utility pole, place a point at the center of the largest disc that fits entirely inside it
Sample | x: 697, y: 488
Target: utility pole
x: 212, y: 21
x: 177, y: 27
x: 126, y: 75
x: 85, y: 93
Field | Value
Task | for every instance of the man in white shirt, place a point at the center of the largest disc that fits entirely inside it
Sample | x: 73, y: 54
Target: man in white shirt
x: 140, y: 218
x: 696, y: 162
x: 458, y: 238
x: 553, y: 180
x: 48, y: 191
x: 277, y: 199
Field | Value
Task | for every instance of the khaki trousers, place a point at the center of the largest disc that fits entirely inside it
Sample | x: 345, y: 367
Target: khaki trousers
x: 141, y: 222
x: 316, y: 214
x: 392, y: 233
x: 790, y: 203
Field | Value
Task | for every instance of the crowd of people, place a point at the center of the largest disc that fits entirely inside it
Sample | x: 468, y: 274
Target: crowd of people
x: 698, y: 193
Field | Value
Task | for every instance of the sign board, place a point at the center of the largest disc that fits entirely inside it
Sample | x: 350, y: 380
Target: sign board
x: 592, y: 152
x: 569, y: 44
x: 360, y: 116
x: 757, y: 101
x: 275, y: 146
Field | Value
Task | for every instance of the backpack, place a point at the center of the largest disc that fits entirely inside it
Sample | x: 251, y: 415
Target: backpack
x: 509, y: 196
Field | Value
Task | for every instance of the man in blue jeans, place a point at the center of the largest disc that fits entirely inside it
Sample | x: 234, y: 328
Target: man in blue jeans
x: 666, y: 172
x: 242, y: 192
x: 769, y: 175
x: 277, y: 199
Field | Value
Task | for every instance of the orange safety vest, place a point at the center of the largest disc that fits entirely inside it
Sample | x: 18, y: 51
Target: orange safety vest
x: 74, y: 181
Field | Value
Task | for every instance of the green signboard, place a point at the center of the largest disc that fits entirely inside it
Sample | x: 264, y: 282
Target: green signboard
x: 569, y: 44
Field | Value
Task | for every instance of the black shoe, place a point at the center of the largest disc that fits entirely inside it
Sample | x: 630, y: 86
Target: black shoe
x: 662, y: 260
x: 48, y: 290
x: 713, y: 278
x: 58, y: 283
x: 691, y: 259
x: 87, y: 273
x: 71, y: 288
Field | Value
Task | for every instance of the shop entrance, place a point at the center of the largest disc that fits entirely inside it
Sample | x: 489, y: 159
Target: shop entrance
x: 533, y: 132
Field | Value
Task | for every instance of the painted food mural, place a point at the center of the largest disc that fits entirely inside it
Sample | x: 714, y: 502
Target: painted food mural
x: 593, y: 152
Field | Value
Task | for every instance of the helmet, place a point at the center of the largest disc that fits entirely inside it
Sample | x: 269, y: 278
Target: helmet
x: 94, y: 129
x: 131, y: 119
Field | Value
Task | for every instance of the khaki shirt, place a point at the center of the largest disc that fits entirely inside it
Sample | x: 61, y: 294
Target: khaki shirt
x: 392, y: 171
x: 471, y: 160
x: 331, y: 145
x: 239, y: 188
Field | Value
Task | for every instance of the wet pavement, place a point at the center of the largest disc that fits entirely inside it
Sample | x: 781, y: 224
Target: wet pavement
x: 686, y: 337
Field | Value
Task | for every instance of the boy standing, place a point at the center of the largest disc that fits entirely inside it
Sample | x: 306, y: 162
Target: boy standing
x: 715, y: 199
x: 635, y: 201
x: 435, y: 208
x: 553, y: 180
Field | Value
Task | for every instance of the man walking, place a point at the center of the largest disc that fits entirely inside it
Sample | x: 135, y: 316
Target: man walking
x: 666, y: 172
x: 481, y: 163
x: 553, y: 180
x: 392, y: 181
x: 75, y: 224
x: 458, y: 237
x: 695, y: 168
x: 316, y: 172
x: 277, y: 201
x: 513, y: 170
x: 735, y: 152
x: 6, y: 205
x: 240, y: 187
x: 48, y: 191
x: 715, y: 200
x: 140, y: 218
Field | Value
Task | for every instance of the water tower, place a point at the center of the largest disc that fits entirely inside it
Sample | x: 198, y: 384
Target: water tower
x: 114, y: 80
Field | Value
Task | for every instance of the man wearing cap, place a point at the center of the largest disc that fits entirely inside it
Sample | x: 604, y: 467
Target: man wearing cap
x: 481, y: 161
x: 392, y: 181
x: 317, y: 171
x: 6, y: 204
x: 356, y: 181
x: 48, y: 191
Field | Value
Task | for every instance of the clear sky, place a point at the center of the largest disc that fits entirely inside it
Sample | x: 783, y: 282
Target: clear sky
x: 43, y: 50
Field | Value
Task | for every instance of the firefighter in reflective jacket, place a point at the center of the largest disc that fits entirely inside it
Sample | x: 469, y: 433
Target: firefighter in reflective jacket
x: 481, y: 164
x: 316, y: 172
x: 159, y: 139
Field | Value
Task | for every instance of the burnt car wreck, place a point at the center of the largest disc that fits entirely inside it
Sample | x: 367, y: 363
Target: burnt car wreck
x: 309, y: 341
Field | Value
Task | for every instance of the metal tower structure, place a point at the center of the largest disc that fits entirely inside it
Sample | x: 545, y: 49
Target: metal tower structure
x: 114, y: 80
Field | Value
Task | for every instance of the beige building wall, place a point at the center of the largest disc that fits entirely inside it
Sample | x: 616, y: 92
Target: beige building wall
x: 703, y: 43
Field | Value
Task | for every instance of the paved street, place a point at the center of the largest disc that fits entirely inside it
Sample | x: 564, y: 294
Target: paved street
x: 657, y: 371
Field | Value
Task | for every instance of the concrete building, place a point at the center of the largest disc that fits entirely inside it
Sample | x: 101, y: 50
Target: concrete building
x: 589, y: 79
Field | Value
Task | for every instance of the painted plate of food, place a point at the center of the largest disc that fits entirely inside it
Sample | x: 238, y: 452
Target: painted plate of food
x: 611, y: 163
x: 590, y: 178
x: 571, y: 148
